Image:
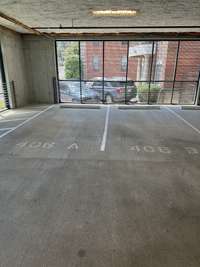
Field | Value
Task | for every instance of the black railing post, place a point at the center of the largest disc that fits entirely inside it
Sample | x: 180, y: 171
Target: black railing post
x: 126, y: 72
x: 80, y: 71
x: 175, y: 71
x: 151, y: 68
x: 197, y: 93
x: 57, y: 73
x: 103, y: 70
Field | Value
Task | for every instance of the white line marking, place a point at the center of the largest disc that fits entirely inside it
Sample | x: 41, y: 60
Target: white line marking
x: 73, y: 146
x: 16, y: 113
x: 24, y: 122
x: 103, y: 143
x: 5, y: 129
x: 4, y: 120
x: 181, y: 118
x: 19, y: 112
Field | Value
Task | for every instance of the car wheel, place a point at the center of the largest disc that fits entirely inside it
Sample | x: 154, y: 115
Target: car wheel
x: 109, y: 99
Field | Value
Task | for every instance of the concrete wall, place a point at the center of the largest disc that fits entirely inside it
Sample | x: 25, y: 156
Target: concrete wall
x: 41, y: 68
x: 14, y: 64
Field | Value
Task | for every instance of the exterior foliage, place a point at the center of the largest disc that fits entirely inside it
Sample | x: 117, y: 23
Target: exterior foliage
x: 72, y: 61
x: 143, y: 89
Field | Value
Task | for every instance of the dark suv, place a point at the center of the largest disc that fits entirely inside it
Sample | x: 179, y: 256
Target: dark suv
x: 114, y: 91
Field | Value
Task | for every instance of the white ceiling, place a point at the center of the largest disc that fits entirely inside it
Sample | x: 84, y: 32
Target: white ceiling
x: 51, y: 13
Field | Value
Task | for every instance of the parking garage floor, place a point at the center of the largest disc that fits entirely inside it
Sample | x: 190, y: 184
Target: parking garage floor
x: 99, y: 187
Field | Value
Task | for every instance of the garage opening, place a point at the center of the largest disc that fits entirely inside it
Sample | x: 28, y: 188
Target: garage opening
x: 130, y: 72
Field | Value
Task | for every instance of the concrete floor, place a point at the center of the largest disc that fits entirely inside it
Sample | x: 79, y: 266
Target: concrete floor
x: 63, y: 202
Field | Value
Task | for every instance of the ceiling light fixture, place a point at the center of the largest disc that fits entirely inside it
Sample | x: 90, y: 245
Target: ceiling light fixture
x: 114, y: 12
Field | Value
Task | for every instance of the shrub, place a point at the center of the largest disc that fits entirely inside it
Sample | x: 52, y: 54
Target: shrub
x: 143, y: 90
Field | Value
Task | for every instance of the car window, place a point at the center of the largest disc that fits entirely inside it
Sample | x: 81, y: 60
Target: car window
x: 97, y: 83
x: 107, y: 84
x: 130, y: 83
x: 117, y: 84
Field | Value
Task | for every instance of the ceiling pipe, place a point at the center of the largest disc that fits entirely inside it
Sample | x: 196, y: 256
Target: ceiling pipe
x: 24, y: 26
x: 130, y: 35
x: 115, y: 27
x: 19, y: 23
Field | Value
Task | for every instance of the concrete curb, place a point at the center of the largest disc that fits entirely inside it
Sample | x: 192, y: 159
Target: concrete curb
x: 139, y: 107
x: 80, y: 106
x: 190, y: 107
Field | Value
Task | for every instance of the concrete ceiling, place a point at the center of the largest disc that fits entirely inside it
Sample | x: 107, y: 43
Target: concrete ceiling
x: 52, y: 13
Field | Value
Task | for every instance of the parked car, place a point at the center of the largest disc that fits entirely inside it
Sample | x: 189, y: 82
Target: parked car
x: 70, y: 92
x: 114, y: 89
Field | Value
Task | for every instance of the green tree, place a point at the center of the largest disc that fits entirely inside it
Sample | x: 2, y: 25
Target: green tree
x: 72, y: 61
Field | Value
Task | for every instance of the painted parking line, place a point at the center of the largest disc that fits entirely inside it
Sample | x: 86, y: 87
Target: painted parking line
x: 105, y: 133
x: 185, y: 121
x: 26, y: 121
x: 2, y: 117
x: 4, y: 120
x: 17, y: 113
x: 5, y: 129
x: 25, y: 112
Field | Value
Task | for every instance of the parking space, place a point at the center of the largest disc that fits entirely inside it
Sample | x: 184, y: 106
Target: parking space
x: 166, y: 134
x: 10, y: 120
x: 100, y: 187
x: 155, y: 135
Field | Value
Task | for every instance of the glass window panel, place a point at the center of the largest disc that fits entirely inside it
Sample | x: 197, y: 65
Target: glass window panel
x: 160, y: 92
x: 97, y: 88
x: 114, y: 91
x: 188, y: 61
x: 115, y: 66
x: 91, y: 60
x: 142, y: 92
x: 70, y: 91
x: 124, y: 42
x: 140, y: 58
x: 114, y: 52
x: 131, y: 92
x: 184, y: 93
x: 89, y: 95
x: 164, y: 60
x: 68, y: 60
x: 124, y: 63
